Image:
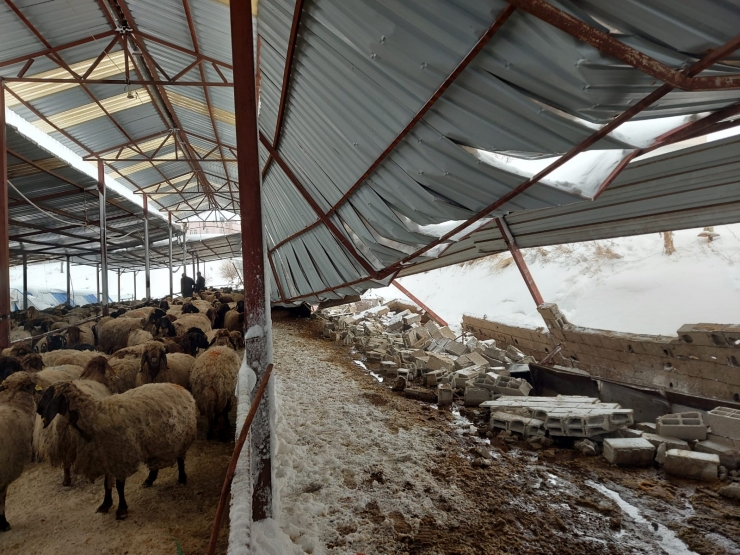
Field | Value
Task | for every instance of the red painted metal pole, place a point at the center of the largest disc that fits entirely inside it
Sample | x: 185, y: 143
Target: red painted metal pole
x: 4, y: 231
x: 256, y: 318
x: 519, y: 261
x: 420, y: 304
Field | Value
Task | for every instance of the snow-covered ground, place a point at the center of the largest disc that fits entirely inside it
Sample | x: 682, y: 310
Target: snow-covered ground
x: 626, y: 284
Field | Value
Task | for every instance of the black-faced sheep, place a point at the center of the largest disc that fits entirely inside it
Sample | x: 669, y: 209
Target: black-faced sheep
x: 154, y: 424
x: 16, y: 431
x: 193, y: 340
x: 190, y: 308
x: 8, y: 366
x: 113, y: 335
x: 159, y: 367
x: 213, y: 383
x: 218, y: 321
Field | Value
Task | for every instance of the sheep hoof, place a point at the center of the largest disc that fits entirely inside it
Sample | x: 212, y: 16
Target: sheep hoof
x: 121, y: 514
x: 104, y: 508
x: 4, y: 526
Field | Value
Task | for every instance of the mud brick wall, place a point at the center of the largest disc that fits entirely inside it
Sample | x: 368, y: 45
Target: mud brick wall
x: 702, y: 359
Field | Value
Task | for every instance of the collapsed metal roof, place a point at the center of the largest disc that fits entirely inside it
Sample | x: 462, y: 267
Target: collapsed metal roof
x: 370, y: 138
x: 375, y: 119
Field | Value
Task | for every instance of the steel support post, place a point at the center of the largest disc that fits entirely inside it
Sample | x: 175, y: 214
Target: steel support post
x: 97, y: 281
x: 102, y: 200
x: 519, y: 260
x: 169, y: 229
x: 256, y: 318
x: 119, y: 285
x: 69, y: 282
x: 25, y: 281
x: 146, y: 250
x: 420, y: 304
x: 4, y: 231
x: 134, y: 274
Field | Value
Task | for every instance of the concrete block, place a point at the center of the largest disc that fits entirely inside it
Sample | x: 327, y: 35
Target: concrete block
x: 649, y: 427
x: 444, y: 395
x: 688, y: 464
x: 444, y: 332
x: 635, y: 451
x: 461, y: 378
x: 474, y: 396
x: 514, y: 354
x: 669, y: 442
x: 724, y: 422
x: 471, y: 345
x: 374, y: 356
x: 729, y: 457
x: 431, y: 326
x: 455, y: 348
x: 395, y: 322
x: 376, y: 311
x: 432, y: 378
x: 421, y: 362
x: 512, y: 386
x: 683, y: 425
x: 731, y: 492
x: 388, y: 365
x: 519, y: 423
x: 440, y: 362
x: 477, y: 359
x: 463, y: 362
x: 412, y: 319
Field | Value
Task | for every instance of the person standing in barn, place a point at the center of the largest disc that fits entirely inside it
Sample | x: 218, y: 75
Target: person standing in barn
x: 187, y: 285
x: 200, y: 283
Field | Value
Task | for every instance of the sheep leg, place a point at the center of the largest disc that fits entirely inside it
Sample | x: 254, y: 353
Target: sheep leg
x: 4, y: 526
x: 108, y: 498
x: 149, y: 482
x: 182, y: 478
x: 211, y: 433
x: 67, y: 477
x: 122, y: 511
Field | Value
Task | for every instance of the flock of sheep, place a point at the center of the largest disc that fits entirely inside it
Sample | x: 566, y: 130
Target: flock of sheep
x: 100, y: 398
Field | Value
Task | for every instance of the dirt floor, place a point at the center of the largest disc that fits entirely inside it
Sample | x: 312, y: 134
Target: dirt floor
x: 418, y: 487
x: 48, y: 519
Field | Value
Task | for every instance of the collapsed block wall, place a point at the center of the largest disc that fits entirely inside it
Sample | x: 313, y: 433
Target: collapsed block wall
x: 703, y: 359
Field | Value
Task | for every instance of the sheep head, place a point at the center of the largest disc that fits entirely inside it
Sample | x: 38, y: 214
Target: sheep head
x: 8, y: 366
x: 32, y: 362
x: 98, y: 369
x: 73, y: 335
x: 154, y: 359
x: 21, y: 382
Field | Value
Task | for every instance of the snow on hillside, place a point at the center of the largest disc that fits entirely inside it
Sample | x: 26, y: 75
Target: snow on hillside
x: 625, y: 284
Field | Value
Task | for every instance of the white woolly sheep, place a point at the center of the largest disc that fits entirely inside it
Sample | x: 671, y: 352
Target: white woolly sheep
x: 68, y: 356
x: 143, y: 312
x: 153, y: 424
x: 16, y: 430
x: 57, y: 443
x: 113, y: 335
x: 187, y: 321
x: 213, y: 383
x: 159, y: 367
x: 138, y: 337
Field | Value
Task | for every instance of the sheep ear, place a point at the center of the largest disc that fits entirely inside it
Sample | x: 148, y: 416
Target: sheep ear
x: 143, y: 359
x: 163, y: 356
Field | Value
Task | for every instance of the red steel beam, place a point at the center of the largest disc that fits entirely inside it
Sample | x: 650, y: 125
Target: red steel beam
x: 521, y: 264
x: 173, y: 46
x: 287, y: 72
x: 316, y: 208
x: 4, y: 231
x: 433, y: 315
x: 55, y: 49
x: 617, y: 49
x: 120, y: 160
x: 256, y: 320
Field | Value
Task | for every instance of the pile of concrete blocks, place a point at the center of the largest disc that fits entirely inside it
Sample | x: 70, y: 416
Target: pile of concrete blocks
x: 564, y: 415
x: 397, y: 337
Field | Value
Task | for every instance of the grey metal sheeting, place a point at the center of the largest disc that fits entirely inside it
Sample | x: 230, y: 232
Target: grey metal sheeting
x: 361, y: 72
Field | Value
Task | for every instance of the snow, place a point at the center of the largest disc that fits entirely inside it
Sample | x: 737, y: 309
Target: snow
x: 625, y: 284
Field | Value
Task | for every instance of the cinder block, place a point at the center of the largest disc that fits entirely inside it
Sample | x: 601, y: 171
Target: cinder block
x: 440, y: 362
x: 682, y: 425
x: 724, y: 422
x: 463, y: 362
x: 474, y: 396
x: 512, y: 386
x: 729, y: 457
x: 688, y: 464
x: 634, y: 451
x: 514, y: 353
x: 444, y: 395
x: 670, y: 442
x: 444, y: 332
x: 455, y: 348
